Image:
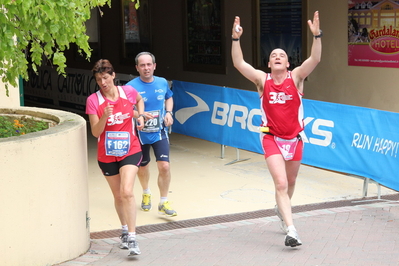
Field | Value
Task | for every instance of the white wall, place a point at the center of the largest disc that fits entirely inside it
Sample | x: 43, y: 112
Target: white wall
x: 44, y: 191
x: 12, y: 100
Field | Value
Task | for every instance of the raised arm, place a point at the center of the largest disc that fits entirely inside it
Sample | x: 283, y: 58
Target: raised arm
x: 248, y: 71
x: 301, y: 72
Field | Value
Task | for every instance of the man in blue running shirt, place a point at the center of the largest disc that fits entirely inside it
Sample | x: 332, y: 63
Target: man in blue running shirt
x: 158, y: 104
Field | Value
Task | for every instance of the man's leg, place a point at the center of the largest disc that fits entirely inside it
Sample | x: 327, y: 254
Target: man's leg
x: 284, y: 176
x: 161, y: 150
x: 292, y: 169
x: 144, y: 178
x: 277, y: 168
x: 164, y: 178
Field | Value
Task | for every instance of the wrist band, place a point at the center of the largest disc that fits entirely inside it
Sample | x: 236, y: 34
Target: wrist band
x: 234, y: 39
x: 142, y: 116
x: 320, y: 35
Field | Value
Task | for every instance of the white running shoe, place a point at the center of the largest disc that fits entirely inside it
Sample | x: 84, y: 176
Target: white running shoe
x: 292, y: 239
x: 123, y: 237
x: 133, y: 247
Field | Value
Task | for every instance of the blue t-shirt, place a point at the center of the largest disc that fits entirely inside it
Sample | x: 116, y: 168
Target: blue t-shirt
x: 154, y: 95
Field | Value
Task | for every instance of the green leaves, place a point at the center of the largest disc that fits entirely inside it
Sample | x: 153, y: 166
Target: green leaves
x: 46, y: 28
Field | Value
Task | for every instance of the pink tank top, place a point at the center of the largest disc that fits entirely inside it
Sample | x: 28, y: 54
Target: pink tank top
x: 118, y: 139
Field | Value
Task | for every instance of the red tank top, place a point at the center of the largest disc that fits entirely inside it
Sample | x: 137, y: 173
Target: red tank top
x: 282, y: 109
x: 118, y: 139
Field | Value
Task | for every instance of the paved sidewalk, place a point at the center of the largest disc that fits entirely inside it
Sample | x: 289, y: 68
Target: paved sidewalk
x: 229, y: 219
x: 361, y: 233
x: 203, y: 185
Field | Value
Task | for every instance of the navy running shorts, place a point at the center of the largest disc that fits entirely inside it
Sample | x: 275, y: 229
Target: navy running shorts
x: 161, y: 151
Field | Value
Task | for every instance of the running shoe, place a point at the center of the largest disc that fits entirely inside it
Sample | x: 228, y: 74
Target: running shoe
x: 146, y: 202
x: 283, y: 226
x: 165, y: 209
x: 133, y: 247
x: 292, y: 239
x: 123, y: 237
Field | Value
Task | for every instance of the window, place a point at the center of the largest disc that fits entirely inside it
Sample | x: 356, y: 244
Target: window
x: 136, y: 29
x: 387, y: 7
x: 204, y: 36
x: 281, y: 24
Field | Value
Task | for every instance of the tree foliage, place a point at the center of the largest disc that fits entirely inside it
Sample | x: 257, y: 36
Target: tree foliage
x: 44, y: 29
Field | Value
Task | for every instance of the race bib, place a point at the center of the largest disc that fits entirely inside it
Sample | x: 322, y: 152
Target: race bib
x: 287, y: 147
x: 117, y: 143
x: 154, y: 124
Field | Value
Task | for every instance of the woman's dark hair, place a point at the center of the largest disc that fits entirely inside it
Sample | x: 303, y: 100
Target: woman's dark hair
x: 103, y: 65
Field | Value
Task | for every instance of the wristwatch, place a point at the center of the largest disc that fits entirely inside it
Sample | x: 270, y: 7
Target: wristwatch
x: 320, y: 35
x: 170, y: 112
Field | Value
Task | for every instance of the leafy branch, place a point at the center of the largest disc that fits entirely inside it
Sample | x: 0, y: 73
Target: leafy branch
x: 44, y: 29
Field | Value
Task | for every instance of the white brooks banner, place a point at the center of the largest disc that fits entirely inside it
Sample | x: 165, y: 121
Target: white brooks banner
x: 343, y: 138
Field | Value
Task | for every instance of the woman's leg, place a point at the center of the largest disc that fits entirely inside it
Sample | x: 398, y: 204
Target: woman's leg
x: 128, y: 175
x: 114, y: 183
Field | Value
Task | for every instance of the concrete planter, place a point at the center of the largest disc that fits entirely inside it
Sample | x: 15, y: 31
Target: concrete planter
x: 44, y: 201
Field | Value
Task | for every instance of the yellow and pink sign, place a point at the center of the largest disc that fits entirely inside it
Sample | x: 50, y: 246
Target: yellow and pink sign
x: 373, y: 33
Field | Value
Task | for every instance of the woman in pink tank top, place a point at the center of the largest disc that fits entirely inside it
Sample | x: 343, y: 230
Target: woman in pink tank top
x: 111, y: 113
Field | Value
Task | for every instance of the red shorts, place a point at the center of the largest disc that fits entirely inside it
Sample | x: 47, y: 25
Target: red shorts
x: 270, y: 147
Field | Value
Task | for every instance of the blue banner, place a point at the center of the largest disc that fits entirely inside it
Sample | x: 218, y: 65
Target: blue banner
x: 348, y: 139
x: 223, y: 115
x: 354, y: 140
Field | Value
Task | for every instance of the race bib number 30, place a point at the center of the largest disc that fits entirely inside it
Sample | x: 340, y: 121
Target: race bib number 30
x: 117, y: 143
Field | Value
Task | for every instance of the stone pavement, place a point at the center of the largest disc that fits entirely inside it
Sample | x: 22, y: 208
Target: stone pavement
x: 226, y: 216
x: 204, y: 185
x: 352, y: 232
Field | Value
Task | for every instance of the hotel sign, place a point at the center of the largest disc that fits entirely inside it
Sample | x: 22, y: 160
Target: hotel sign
x: 373, y: 33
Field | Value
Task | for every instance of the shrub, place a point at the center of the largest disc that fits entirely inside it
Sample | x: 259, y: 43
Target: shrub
x: 17, y: 126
